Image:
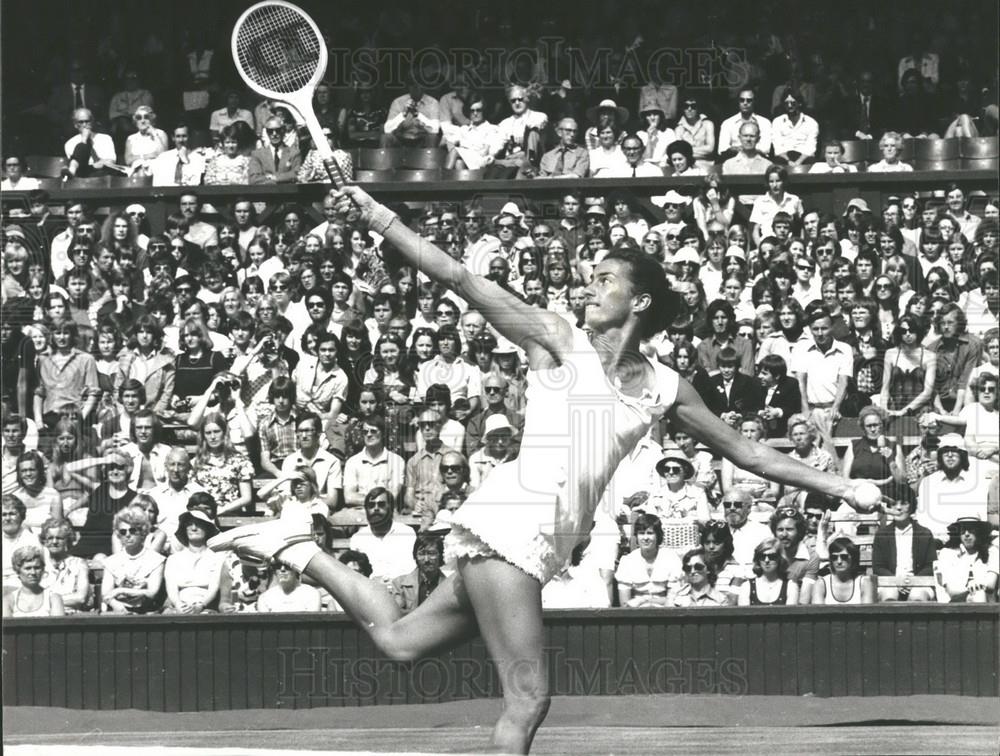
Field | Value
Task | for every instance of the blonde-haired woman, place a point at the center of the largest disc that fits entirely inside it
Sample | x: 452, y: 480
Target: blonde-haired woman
x: 146, y: 143
x: 891, y: 147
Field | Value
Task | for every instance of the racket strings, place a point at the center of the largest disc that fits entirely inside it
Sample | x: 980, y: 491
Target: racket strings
x: 278, y: 49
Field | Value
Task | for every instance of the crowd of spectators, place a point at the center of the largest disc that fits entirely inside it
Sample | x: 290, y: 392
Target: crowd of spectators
x: 252, y: 360
x: 628, y: 101
x: 153, y: 383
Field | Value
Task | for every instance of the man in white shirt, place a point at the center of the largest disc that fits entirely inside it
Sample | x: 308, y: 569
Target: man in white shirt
x: 823, y: 367
x: 748, y: 160
x: 968, y: 223
x: 794, y: 134
x: 729, y: 131
x: 328, y: 470
x: 230, y: 114
x: 635, y: 166
x: 372, y: 467
x: 388, y: 544
x: 473, y: 143
x: 181, y: 166
x: 521, y: 131
x: 89, y: 153
x: 959, y: 488
x: 172, y: 496
x: 414, y: 119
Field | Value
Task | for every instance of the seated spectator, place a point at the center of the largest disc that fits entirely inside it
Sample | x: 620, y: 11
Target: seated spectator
x: 874, y: 457
x: 891, y: 145
x: 736, y: 506
x: 903, y: 548
x: 223, y: 471
x: 274, y: 163
x: 156, y: 539
x: 89, y: 153
x: 230, y: 114
x: 372, y: 467
x: 42, y: 501
x: 794, y: 133
x: 472, y: 145
x: 30, y: 598
x: 782, y: 397
x: 700, y: 576
x: 772, y: 585
x: 414, y: 119
x: 313, y: 169
x: 229, y: 166
x: 498, y: 437
x: 112, y: 494
x: 788, y: 525
x: 775, y: 200
x: 656, y: 134
x: 133, y: 578
x: 921, y: 461
x: 412, y: 589
x: 68, y: 576
x: 193, y: 574
x: 607, y: 154
x: 698, y: 131
x: 959, y: 488
x: 748, y: 159
x: 388, y: 544
x: 804, y: 436
x: 680, y: 156
x: 146, y: 144
x: 717, y: 540
x: 678, y: 503
x: 648, y: 575
x: 14, y: 178
x: 287, y: 593
x: 756, y: 489
x: 968, y: 565
x: 731, y: 394
x: 833, y: 155
x: 364, y: 118
x: 701, y: 460
x: 978, y: 419
x: 846, y: 583
x: 453, y: 478
x: 635, y: 164
x: 15, y: 535
x: 567, y: 159
x: 181, y: 166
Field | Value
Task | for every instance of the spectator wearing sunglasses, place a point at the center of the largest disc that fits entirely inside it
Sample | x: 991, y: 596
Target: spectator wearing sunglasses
x: 846, y: 584
x: 275, y: 162
x: 697, y: 130
x: 788, y: 526
x: 148, y: 142
x: 771, y: 586
x: 700, y: 576
x: 89, y: 152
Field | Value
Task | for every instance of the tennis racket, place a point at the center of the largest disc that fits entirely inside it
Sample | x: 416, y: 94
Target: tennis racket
x: 280, y: 54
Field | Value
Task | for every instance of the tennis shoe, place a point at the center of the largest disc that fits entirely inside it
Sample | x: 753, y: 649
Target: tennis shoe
x: 258, y: 543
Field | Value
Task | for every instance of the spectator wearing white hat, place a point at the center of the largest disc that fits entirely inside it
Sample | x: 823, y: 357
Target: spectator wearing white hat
x: 959, y: 488
x: 499, y: 437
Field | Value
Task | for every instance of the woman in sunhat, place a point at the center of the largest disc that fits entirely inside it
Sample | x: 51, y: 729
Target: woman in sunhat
x: 194, y: 573
x: 655, y: 134
x: 967, y: 566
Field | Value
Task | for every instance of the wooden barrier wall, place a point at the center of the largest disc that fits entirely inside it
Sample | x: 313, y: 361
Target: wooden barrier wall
x: 171, y: 663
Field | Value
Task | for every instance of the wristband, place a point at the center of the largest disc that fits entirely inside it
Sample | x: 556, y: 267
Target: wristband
x: 382, y: 219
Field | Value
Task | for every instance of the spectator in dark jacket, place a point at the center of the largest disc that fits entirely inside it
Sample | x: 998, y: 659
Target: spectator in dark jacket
x: 919, y: 549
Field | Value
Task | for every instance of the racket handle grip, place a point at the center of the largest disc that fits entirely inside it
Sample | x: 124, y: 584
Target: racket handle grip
x: 333, y: 171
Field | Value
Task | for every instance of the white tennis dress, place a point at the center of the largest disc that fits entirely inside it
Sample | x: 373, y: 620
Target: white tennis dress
x: 532, y: 511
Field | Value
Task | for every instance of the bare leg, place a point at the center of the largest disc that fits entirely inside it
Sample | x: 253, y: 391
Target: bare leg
x: 508, y: 605
x: 444, y: 619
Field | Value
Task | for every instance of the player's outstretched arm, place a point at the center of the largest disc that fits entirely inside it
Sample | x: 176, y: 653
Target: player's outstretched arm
x: 521, y: 323
x: 691, y: 415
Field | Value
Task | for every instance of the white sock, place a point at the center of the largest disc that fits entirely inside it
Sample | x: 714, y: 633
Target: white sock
x: 298, y: 555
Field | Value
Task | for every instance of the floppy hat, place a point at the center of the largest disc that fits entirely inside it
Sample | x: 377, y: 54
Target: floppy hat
x: 621, y: 113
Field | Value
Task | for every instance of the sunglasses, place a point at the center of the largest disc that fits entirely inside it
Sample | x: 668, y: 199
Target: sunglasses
x: 316, y: 305
x: 507, y: 226
x: 274, y: 131
x: 492, y: 389
x: 278, y: 287
x: 141, y: 118
x: 517, y: 99
x: 732, y: 505
x: 444, y: 312
x: 840, y: 557
x: 696, y: 567
x: 116, y: 468
x: 690, y: 105
x: 128, y: 531
x: 807, y: 268
x: 451, y: 468
x: 673, y: 469
x: 746, y: 99
x: 770, y: 556
x: 787, y: 512
x: 814, y: 515
x: 883, y: 286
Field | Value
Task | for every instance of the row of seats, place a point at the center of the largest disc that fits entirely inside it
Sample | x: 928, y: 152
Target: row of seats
x: 967, y: 153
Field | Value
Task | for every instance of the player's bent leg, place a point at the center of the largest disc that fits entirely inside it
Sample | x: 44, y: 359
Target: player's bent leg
x: 444, y: 619
x: 508, y: 606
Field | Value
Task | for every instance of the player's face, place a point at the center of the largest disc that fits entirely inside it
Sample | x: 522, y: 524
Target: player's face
x: 609, y: 296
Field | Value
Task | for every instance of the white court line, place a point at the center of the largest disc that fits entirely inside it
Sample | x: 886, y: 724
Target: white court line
x: 70, y: 750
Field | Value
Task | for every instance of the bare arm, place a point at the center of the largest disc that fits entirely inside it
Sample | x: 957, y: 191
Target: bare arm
x: 693, y: 416
x: 529, y: 327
